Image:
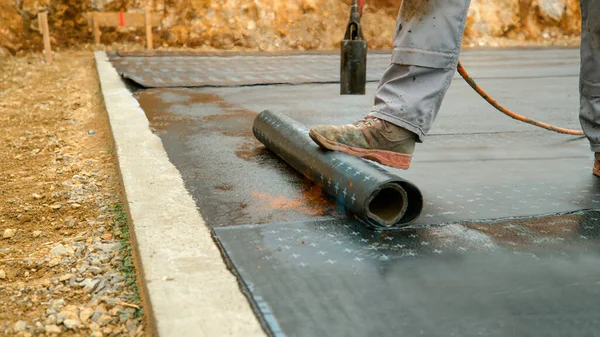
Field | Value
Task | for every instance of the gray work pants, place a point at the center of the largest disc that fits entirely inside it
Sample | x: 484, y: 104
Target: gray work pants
x: 427, y: 43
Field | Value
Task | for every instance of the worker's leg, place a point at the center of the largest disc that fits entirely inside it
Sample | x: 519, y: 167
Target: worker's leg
x: 427, y: 43
x: 589, y: 79
x: 423, y: 63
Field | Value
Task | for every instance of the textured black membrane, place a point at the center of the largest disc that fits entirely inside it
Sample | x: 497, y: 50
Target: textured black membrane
x: 539, y: 277
x: 355, y: 183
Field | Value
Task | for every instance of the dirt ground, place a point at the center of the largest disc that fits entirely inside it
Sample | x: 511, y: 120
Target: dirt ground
x: 65, y: 259
x: 277, y: 25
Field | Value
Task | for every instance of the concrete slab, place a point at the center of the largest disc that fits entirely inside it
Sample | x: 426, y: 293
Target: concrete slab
x: 187, y: 287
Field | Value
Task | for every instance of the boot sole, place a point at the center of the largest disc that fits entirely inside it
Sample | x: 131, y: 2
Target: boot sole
x: 387, y: 158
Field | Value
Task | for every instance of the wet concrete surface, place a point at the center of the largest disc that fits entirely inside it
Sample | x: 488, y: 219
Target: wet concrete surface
x: 507, y: 244
x: 496, y: 169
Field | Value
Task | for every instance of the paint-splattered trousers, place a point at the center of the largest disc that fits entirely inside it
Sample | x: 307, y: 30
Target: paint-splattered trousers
x: 427, y: 44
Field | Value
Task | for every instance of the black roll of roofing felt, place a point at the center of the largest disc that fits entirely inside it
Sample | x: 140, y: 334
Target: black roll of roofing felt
x: 377, y: 197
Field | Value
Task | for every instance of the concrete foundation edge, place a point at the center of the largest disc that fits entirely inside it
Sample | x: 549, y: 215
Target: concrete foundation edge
x: 187, y: 288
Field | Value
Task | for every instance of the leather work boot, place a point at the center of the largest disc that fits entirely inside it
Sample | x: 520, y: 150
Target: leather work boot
x: 370, y: 138
x: 597, y: 164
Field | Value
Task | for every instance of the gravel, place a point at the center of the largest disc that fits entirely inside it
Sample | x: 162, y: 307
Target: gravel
x: 20, y: 326
x: 62, y: 264
x: 52, y: 328
x: 8, y: 233
x: 59, y: 250
x: 71, y: 324
x: 86, y: 314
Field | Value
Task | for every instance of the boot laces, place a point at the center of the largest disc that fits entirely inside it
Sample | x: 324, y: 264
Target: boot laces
x: 368, y: 122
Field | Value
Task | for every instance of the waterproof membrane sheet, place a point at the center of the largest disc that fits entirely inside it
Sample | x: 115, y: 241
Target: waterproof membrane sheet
x: 187, y: 70
x: 334, y: 278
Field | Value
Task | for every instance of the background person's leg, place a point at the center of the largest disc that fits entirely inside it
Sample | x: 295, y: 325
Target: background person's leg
x: 427, y: 43
x: 589, y: 78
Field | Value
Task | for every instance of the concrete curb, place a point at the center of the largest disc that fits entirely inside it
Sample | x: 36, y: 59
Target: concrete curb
x: 187, y: 288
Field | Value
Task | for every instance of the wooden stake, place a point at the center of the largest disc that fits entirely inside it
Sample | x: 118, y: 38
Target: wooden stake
x: 149, y: 25
x: 43, y: 22
x: 96, y: 28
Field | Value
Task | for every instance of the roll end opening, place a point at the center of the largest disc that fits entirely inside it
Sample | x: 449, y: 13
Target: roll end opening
x: 388, y: 205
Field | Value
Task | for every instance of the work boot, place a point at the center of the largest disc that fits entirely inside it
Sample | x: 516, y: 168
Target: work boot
x: 370, y: 138
x: 597, y: 164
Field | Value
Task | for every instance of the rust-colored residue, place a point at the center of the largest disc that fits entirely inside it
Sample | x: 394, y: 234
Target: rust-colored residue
x: 283, y: 203
x: 233, y: 121
x: 414, y: 9
x: 248, y: 154
x: 314, y: 196
x: 156, y: 111
x: 237, y: 113
x: 249, y: 149
x: 224, y: 187
x: 519, y: 234
x: 313, y: 201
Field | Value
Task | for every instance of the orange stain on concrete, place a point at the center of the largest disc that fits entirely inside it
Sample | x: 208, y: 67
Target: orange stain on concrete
x: 313, y: 201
